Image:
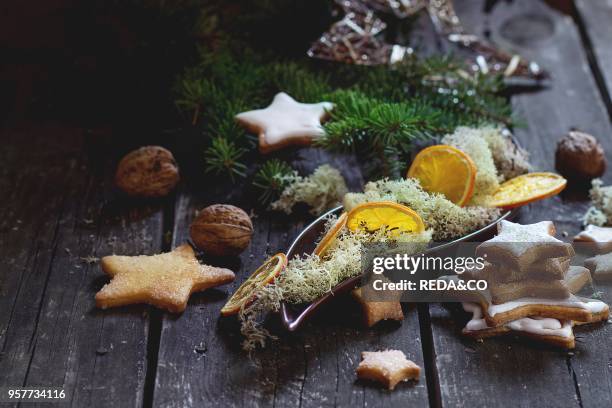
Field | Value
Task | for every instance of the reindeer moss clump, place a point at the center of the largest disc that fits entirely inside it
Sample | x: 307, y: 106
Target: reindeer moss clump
x: 510, y: 160
x: 322, y: 190
x: 600, y: 212
x: 445, y: 219
x: 487, y: 179
x: 308, y: 277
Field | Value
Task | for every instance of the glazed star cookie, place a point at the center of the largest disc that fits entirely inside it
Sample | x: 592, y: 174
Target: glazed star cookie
x: 600, y: 266
x: 600, y: 237
x: 572, y: 308
x: 285, y: 122
x: 374, y: 312
x: 164, y: 280
x: 543, y: 329
x: 519, y: 246
x: 388, y: 367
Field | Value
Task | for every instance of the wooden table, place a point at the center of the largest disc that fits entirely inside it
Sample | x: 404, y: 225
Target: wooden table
x: 59, y: 209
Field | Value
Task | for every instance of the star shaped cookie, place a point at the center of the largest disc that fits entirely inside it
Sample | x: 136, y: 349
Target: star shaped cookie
x: 519, y: 246
x: 600, y: 266
x: 388, y: 367
x: 599, y: 237
x: 164, y: 280
x: 543, y: 329
x: 285, y: 122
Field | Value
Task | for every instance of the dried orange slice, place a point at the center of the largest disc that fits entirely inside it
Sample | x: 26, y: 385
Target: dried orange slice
x: 331, y: 235
x: 527, y: 188
x: 447, y: 170
x: 395, y: 217
x: 258, y: 279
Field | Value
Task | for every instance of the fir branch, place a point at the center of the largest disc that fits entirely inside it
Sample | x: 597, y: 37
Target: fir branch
x: 271, y: 179
x: 385, y: 131
x: 380, y: 112
x: 223, y: 157
x: 192, y: 92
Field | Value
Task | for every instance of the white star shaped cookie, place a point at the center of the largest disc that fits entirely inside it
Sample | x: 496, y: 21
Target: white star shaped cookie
x: 285, y: 122
x: 519, y: 246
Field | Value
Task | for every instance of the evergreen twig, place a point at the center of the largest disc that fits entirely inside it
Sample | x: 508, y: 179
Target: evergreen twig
x: 380, y: 111
x: 271, y: 179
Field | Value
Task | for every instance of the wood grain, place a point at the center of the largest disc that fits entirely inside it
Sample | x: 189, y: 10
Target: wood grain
x: 314, y: 367
x: 59, y: 214
x: 507, y: 372
x: 593, y: 17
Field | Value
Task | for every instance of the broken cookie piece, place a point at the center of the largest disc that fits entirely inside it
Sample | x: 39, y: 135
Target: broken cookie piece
x: 388, y: 367
x: 374, y: 312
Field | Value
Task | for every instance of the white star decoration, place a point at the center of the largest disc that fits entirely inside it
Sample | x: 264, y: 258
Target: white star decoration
x: 285, y: 122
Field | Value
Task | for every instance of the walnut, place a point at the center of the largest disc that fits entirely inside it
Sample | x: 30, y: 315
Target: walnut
x: 150, y: 171
x: 221, y: 230
x: 579, y: 156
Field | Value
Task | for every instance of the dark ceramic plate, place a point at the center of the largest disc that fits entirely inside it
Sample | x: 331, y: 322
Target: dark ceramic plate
x: 294, y: 315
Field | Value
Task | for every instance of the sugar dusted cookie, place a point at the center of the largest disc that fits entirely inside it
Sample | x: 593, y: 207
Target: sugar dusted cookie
x: 600, y: 237
x: 388, y: 367
x: 600, y: 266
x: 541, y: 269
x: 519, y: 246
x: 548, y: 289
x: 165, y: 280
x: 285, y: 122
x: 576, y: 278
x: 374, y: 312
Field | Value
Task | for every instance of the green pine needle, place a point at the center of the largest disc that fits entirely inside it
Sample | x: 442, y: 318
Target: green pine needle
x: 223, y: 157
x: 271, y: 179
x: 380, y: 112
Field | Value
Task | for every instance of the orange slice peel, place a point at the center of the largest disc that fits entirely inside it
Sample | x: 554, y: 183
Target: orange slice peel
x: 245, y: 294
x: 395, y: 217
x: 447, y: 170
x: 527, y: 188
x: 328, y: 239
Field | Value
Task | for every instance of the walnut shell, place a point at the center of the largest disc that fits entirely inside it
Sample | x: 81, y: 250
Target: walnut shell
x: 150, y: 171
x: 221, y: 230
x: 579, y: 156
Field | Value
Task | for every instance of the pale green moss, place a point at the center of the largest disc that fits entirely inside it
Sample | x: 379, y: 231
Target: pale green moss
x: 446, y: 219
x: 308, y: 277
x: 322, y: 190
x: 600, y: 212
x: 466, y: 140
x: 510, y: 160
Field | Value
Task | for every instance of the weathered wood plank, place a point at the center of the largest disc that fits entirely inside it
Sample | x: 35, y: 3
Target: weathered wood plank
x: 505, y: 372
x: 314, y: 367
x: 594, y: 17
x: 69, y: 215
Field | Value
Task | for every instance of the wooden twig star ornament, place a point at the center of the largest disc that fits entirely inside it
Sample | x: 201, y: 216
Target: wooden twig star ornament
x: 286, y: 122
x: 164, y: 280
x: 354, y: 39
